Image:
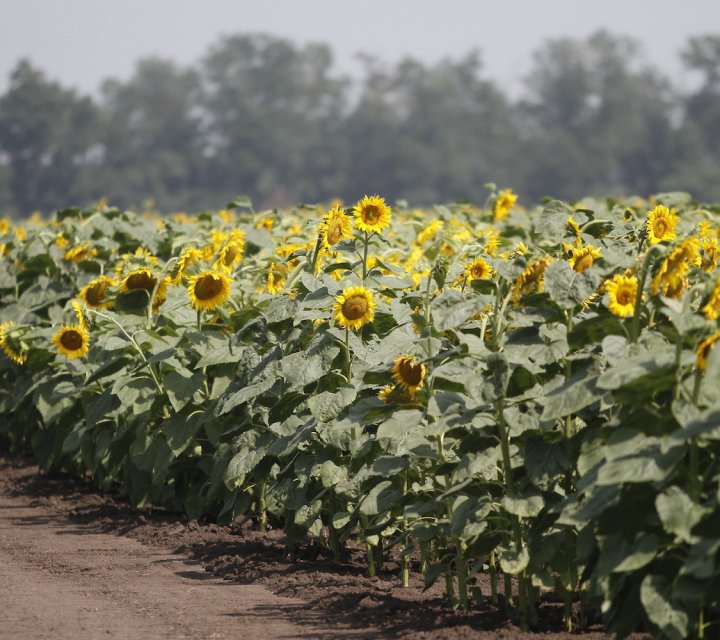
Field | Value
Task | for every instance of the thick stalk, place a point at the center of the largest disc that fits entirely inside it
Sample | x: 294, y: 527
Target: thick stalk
x: 365, y: 256
x: 348, y: 360
x: 635, y: 323
x: 461, y: 568
x: 369, y: 551
x: 492, y: 568
x: 262, y: 507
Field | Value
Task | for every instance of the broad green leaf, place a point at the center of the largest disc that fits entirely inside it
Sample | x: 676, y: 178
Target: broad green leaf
x: 452, y: 309
x: 567, y: 287
x: 514, y: 562
x: 679, y: 514
x: 381, y: 498
x: 181, y: 385
x: 655, y: 594
x: 326, y: 406
x: 525, y: 507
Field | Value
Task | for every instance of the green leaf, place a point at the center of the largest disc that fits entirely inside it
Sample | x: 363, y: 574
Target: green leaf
x: 567, y: 287
x: 632, y: 370
x: 593, y: 330
x: 180, y: 431
x: 524, y: 507
x: 135, y: 301
x: 181, y: 385
x: 310, y: 365
x: 452, y: 309
x: 655, y: 595
x: 512, y: 561
x: 389, y: 466
x: 326, y: 406
x: 679, y: 514
x: 381, y: 498
x: 639, y: 555
x: 573, y: 395
x: 400, y: 424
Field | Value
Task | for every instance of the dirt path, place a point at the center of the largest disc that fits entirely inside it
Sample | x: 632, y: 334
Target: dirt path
x: 60, y: 580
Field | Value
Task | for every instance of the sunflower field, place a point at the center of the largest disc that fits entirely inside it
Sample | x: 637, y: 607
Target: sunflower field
x: 529, y: 394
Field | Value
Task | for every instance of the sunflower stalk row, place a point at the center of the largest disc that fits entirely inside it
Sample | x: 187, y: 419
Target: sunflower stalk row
x: 521, y: 403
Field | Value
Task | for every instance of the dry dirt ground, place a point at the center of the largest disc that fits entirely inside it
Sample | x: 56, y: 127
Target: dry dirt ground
x: 76, y: 563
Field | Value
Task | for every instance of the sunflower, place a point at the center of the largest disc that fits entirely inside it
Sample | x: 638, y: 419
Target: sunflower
x: 661, y: 223
x: 81, y: 315
x: 409, y: 373
x: 372, y: 214
x: 583, y: 257
x: 354, y: 307
x: 209, y: 289
x: 8, y: 343
x: 94, y: 293
x: 429, y: 232
x: 231, y: 252
x: 188, y: 257
x: 704, y: 348
x: 478, y: 269
x: 503, y: 203
x: 712, y: 309
x: 145, y: 279
x: 78, y: 254
x: 72, y: 341
x: 669, y: 280
x: 276, y: 278
x: 710, y: 253
x: 336, y: 226
x: 531, y: 279
x: 622, y: 291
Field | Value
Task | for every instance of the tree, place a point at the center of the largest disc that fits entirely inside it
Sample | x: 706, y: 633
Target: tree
x: 273, y: 115
x: 48, y: 135
x: 597, y: 122
x: 151, y: 138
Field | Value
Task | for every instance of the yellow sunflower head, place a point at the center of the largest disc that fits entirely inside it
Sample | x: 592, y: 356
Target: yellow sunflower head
x: 81, y: 315
x: 711, y: 310
x: 670, y: 278
x: 409, y: 373
x: 531, y: 279
x: 72, y: 341
x: 209, y: 289
x: 429, y: 232
x: 354, y: 308
x: 94, y: 293
x: 703, y: 350
x: 147, y: 281
x: 78, y: 254
x: 622, y: 291
x: 478, y: 269
x: 372, y: 214
x: 583, y: 257
x: 276, y: 276
x: 503, y: 203
x: 10, y: 342
x: 660, y: 225
x: 188, y: 257
x: 231, y: 252
x: 335, y: 227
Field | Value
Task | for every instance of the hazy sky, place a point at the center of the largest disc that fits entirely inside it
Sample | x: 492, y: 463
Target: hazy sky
x: 81, y: 42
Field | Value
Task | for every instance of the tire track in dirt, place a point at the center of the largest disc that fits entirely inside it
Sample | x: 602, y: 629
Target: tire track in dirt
x: 61, y: 581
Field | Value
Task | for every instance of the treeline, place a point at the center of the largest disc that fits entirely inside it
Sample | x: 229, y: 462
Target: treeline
x: 262, y: 116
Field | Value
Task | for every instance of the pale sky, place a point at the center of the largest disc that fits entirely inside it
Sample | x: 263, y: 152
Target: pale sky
x: 82, y: 42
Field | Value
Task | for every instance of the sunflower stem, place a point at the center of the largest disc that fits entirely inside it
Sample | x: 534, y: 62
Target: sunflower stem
x: 316, y: 255
x: 366, y: 239
x: 635, y: 323
x: 348, y: 361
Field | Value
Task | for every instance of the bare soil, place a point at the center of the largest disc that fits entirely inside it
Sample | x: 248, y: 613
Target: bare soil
x: 74, y: 560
